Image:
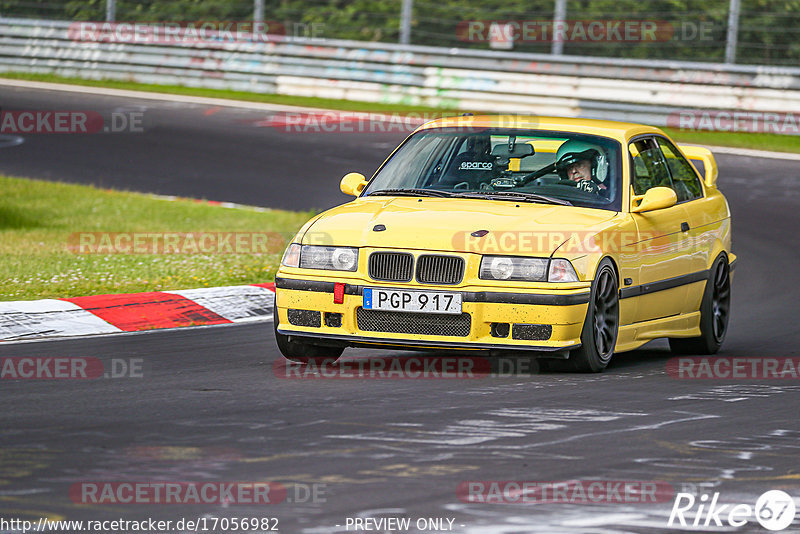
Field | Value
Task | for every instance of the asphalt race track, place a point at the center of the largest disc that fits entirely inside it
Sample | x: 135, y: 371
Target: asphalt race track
x: 209, y: 405
x: 228, y: 154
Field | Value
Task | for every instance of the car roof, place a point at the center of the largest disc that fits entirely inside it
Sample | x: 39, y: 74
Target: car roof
x: 617, y: 130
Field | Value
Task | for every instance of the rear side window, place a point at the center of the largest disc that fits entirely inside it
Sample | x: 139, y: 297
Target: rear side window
x: 684, y: 179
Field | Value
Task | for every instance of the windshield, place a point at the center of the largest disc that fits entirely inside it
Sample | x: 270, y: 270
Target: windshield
x: 521, y: 165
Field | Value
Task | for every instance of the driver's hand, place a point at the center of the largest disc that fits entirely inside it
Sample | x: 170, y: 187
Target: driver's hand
x: 587, y: 185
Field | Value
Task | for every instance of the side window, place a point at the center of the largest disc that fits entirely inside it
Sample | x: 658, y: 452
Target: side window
x: 649, y: 167
x: 687, y: 184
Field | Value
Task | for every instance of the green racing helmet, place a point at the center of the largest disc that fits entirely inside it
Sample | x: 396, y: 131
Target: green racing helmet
x: 574, y: 151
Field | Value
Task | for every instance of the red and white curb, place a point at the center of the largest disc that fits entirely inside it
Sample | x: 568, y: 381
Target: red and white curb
x: 109, y: 314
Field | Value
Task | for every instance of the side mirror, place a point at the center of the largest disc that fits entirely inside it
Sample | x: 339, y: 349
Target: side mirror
x: 656, y: 198
x: 353, y: 183
x: 709, y: 163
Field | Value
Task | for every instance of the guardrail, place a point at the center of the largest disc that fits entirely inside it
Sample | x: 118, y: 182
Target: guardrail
x: 652, y: 92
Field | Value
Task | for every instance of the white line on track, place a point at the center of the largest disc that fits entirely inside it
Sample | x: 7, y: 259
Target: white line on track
x: 748, y: 152
x: 165, y: 97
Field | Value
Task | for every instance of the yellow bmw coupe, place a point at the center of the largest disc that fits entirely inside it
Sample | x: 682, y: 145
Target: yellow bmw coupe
x: 562, y: 238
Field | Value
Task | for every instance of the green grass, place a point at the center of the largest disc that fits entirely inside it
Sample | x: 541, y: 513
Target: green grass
x: 40, y: 220
x: 760, y: 141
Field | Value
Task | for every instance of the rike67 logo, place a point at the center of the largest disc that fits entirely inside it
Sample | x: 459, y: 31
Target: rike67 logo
x: 774, y: 510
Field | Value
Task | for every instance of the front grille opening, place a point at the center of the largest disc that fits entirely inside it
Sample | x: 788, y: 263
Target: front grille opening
x: 305, y: 318
x: 434, y: 269
x: 333, y: 320
x: 391, y: 266
x: 500, y: 329
x: 423, y: 324
x: 532, y: 332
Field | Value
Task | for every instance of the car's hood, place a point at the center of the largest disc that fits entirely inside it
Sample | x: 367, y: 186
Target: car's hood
x: 447, y: 224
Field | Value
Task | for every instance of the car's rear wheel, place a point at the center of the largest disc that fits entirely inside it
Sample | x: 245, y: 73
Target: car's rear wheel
x: 714, y: 313
x: 299, y: 351
x: 599, y: 335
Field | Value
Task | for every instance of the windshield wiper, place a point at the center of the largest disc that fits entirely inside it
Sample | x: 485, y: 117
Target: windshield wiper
x: 413, y: 192
x: 513, y: 195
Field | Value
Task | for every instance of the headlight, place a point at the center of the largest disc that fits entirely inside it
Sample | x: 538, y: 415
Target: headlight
x: 561, y: 271
x: 291, y: 258
x: 526, y: 269
x: 513, y: 268
x: 331, y: 258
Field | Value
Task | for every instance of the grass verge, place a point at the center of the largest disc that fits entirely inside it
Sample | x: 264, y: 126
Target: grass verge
x: 758, y: 141
x: 41, y: 224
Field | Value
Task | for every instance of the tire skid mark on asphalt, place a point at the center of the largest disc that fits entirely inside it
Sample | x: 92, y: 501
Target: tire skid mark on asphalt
x: 383, y: 474
x: 690, y: 417
x: 695, y: 470
x: 284, y: 456
x: 765, y: 444
x: 16, y: 465
x: 688, y: 467
x: 571, y: 518
x: 8, y: 141
x: 21, y: 462
x: 690, y: 473
x: 549, y: 380
x: 736, y: 392
x: 499, y: 424
x: 26, y: 513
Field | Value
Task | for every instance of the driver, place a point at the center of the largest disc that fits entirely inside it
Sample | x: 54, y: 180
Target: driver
x: 584, y: 164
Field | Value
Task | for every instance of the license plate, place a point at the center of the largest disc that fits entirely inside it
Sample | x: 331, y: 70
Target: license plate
x: 412, y: 301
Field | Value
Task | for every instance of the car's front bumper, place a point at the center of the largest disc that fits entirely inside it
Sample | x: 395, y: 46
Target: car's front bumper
x: 544, y: 321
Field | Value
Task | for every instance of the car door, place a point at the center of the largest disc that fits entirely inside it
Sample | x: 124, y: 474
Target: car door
x: 699, y: 213
x: 663, y: 247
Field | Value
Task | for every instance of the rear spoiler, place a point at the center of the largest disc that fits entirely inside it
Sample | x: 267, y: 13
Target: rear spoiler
x: 704, y: 155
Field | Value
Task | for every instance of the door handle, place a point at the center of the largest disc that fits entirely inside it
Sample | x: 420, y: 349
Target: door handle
x: 684, y: 227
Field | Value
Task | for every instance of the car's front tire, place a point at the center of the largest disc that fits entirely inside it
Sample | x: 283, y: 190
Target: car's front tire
x: 599, y: 335
x: 299, y: 351
x: 714, y: 312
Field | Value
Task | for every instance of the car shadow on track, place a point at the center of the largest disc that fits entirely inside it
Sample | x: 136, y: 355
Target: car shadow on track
x: 636, y: 360
x: 428, y: 364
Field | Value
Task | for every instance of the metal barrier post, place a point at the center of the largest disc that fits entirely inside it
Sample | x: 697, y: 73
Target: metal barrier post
x: 733, y: 32
x: 405, y: 22
x: 559, y: 15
